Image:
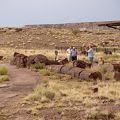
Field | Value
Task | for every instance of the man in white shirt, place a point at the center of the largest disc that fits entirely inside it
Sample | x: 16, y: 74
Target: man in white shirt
x: 69, y: 54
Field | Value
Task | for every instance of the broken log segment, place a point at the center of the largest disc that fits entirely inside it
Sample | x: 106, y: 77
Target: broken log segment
x: 55, y: 68
x: 76, y: 72
x: 66, y: 69
x: 87, y: 74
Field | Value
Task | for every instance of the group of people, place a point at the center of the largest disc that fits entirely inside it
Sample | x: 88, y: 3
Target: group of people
x: 72, y: 54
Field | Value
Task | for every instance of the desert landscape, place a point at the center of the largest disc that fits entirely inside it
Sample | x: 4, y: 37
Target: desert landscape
x: 33, y: 86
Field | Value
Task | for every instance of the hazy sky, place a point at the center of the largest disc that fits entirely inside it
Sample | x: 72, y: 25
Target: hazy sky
x: 22, y: 12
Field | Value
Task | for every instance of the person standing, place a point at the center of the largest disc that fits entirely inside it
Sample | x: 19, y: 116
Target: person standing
x: 56, y: 54
x: 69, y: 54
x: 74, y: 54
x: 90, y: 54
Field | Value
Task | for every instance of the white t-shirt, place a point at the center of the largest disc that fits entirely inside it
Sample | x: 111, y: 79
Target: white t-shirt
x: 69, y: 52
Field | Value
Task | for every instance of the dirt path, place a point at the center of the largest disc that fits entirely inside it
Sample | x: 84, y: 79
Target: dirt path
x: 22, y: 82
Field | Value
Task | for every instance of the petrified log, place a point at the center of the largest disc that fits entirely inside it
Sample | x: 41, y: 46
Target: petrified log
x: 65, y: 69
x: 80, y: 64
x: 39, y: 58
x: 52, y: 62
x: 75, y: 71
x: 116, y: 66
x: 19, y: 59
x: 55, y: 68
x: 64, y: 61
x: 117, y: 75
x: 86, y: 75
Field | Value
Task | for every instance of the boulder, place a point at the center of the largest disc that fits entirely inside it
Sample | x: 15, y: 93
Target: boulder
x: 116, y: 66
x: 117, y: 75
x: 19, y: 59
x: 80, y: 64
x: 39, y: 58
x: 63, y: 61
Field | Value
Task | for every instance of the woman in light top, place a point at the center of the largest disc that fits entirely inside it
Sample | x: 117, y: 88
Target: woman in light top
x: 90, y: 54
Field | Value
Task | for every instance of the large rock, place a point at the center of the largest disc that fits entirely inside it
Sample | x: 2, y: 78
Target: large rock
x: 39, y: 58
x: 116, y: 66
x: 19, y: 60
x: 63, y: 61
x: 81, y: 64
x: 117, y: 75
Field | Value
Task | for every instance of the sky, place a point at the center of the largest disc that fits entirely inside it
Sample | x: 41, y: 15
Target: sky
x: 27, y: 12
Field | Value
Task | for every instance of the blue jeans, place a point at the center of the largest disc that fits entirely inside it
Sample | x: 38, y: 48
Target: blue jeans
x: 91, y: 59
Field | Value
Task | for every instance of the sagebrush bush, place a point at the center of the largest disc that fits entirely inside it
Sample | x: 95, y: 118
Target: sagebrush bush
x: 49, y: 94
x: 45, y: 72
x: 41, y: 92
x: 3, y: 71
x: 75, y: 32
x: 4, y: 78
x: 37, y: 66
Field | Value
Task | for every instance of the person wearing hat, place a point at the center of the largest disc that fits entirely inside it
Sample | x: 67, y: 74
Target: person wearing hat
x: 74, y: 54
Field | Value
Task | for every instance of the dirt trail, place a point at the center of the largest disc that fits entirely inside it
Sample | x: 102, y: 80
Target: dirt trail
x: 22, y: 82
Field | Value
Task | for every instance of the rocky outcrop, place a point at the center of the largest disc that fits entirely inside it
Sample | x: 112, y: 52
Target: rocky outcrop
x: 22, y: 60
x: 19, y: 60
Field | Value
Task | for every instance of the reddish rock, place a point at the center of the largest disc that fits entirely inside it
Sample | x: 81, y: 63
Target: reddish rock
x: 117, y: 75
x: 39, y: 58
x: 116, y: 66
x: 19, y: 59
x: 1, y: 57
x: 64, y: 61
x: 80, y: 64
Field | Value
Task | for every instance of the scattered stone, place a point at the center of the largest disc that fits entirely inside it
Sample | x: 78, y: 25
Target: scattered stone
x: 3, y: 85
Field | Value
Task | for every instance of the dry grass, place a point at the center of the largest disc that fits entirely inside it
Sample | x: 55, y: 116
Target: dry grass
x: 61, y: 90
x: 4, y: 78
x: 3, y: 71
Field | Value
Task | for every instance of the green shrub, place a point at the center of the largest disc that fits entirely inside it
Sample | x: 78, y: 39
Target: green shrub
x: 37, y: 66
x: 75, y: 32
x: 41, y: 92
x: 49, y: 94
x: 3, y: 71
x: 4, y: 78
x: 45, y: 72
